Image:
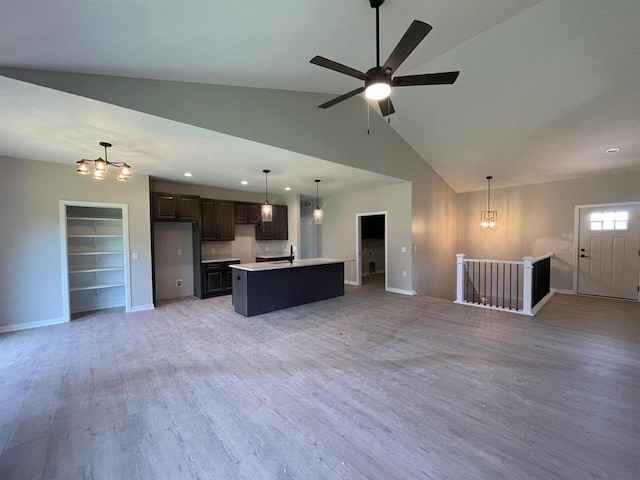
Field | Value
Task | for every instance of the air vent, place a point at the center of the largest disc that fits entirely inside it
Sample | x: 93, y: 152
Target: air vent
x: 307, y: 204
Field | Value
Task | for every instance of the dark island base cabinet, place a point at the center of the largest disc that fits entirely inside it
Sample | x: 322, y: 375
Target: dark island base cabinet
x: 216, y: 279
x: 264, y: 291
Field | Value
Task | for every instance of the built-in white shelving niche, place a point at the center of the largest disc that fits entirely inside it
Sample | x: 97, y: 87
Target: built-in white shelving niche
x: 95, y: 255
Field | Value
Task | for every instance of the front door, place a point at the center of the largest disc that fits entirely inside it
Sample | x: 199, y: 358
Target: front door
x: 609, y: 251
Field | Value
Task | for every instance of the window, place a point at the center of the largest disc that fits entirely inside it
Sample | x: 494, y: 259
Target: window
x: 609, y: 221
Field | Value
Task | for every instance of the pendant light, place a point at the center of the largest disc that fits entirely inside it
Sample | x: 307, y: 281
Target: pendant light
x: 317, y: 213
x: 489, y: 218
x: 100, y: 167
x: 266, y: 212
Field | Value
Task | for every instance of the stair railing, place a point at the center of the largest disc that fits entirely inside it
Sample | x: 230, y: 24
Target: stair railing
x: 518, y: 286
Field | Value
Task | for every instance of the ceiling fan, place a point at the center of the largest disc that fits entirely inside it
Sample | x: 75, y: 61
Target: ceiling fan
x: 377, y: 80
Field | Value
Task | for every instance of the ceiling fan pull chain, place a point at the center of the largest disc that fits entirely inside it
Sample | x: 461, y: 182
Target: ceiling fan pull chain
x: 389, y: 108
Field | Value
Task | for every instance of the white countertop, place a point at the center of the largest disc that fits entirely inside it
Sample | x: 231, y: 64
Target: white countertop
x: 282, y: 264
x: 221, y: 259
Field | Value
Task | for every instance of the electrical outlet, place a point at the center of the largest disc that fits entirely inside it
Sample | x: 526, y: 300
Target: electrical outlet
x: 404, y: 273
x: 267, y: 249
x: 403, y: 249
x: 134, y: 255
x: 179, y: 282
x: 179, y: 252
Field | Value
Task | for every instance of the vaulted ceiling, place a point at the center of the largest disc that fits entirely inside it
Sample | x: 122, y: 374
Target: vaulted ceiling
x: 546, y: 87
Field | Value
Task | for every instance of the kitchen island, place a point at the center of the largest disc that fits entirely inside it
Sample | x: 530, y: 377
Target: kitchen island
x: 267, y: 286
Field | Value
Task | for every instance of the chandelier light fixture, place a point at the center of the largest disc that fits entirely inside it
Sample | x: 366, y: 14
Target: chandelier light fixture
x: 266, y: 212
x: 100, y: 167
x: 489, y: 217
x: 317, y: 213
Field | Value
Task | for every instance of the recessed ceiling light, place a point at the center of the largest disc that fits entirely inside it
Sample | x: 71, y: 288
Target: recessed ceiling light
x: 287, y: 188
x: 188, y: 174
x: 613, y: 150
x: 244, y: 182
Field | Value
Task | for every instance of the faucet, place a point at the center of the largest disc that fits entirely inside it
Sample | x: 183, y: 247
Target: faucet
x: 291, y: 257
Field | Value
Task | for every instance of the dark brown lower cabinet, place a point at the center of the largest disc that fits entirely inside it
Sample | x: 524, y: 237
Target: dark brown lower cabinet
x: 216, y: 279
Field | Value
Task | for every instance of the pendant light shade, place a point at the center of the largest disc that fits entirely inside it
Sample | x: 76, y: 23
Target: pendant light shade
x: 101, y: 167
x: 266, y: 211
x: 317, y: 213
x: 489, y: 218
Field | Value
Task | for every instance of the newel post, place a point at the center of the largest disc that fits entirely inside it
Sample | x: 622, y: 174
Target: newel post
x: 460, y: 278
x: 527, y: 285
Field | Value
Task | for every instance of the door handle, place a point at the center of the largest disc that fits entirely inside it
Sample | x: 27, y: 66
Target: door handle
x: 584, y: 256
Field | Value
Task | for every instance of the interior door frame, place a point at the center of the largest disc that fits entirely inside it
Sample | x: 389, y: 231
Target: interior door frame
x: 576, y: 238
x: 359, y: 247
x: 64, y: 261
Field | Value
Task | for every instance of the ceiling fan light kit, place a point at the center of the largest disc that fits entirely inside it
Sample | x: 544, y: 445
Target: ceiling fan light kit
x: 378, y: 81
x: 377, y: 87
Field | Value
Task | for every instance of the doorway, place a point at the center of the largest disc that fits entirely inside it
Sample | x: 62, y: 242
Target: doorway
x: 609, y: 250
x: 94, y: 257
x: 371, y: 248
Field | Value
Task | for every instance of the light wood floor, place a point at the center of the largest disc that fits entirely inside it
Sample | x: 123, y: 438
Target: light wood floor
x: 372, y: 385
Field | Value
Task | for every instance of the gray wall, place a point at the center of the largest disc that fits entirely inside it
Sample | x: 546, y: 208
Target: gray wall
x: 338, y: 229
x: 309, y: 233
x: 538, y: 219
x: 30, y: 249
x: 291, y: 120
x: 372, y: 251
x: 173, y: 254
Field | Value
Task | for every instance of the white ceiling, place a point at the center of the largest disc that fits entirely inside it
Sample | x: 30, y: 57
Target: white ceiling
x: 545, y: 86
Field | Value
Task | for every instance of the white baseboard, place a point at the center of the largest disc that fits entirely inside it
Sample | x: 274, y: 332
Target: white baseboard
x: 563, y: 290
x: 350, y: 282
x: 541, y: 303
x: 24, y: 326
x: 401, y: 291
x: 491, y: 307
x: 141, y: 308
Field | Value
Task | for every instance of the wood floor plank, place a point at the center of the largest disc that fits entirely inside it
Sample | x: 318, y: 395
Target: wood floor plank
x: 370, y: 385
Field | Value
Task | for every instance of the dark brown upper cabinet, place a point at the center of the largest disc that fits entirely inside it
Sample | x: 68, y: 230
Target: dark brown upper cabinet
x: 175, y: 208
x: 247, y: 213
x: 278, y: 228
x: 217, y: 220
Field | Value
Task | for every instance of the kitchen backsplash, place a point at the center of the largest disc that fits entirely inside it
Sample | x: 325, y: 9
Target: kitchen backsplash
x: 245, y: 246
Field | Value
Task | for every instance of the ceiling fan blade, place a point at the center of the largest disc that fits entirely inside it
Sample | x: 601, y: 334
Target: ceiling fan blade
x: 339, y: 99
x: 444, y: 78
x: 386, y: 106
x: 412, y: 37
x: 337, y: 67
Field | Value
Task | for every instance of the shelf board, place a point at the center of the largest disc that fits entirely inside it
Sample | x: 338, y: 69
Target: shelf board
x: 97, y: 269
x: 96, y: 287
x: 98, y: 219
x: 93, y: 235
x: 97, y: 253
